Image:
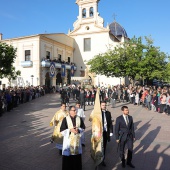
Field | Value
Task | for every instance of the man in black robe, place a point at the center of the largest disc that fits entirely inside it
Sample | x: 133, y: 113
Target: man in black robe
x: 72, y: 127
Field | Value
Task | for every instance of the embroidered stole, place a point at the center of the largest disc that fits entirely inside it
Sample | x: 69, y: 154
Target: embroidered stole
x: 74, y: 138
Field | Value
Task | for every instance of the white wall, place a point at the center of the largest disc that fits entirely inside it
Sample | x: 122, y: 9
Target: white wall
x: 22, y: 44
x: 98, y: 45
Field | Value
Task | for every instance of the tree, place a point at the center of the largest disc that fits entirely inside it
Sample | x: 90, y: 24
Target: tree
x: 14, y: 74
x: 154, y: 62
x: 167, y: 72
x: 7, y: 59
x: 133, y: 59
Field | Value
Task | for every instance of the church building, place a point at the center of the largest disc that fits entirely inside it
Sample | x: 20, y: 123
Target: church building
x: 52, y: 59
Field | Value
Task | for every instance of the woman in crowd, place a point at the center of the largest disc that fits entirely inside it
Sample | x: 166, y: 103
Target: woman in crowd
x: 162, y: 103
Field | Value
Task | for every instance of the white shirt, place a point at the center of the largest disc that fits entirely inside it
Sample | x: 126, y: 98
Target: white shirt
x: 124, y: 116
x: 105, y: 122
x: 80, y: 113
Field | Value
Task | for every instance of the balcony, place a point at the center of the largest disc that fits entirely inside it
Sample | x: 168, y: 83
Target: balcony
x: 57, y: 65
x: 26, y: 63
x: 45, y: 63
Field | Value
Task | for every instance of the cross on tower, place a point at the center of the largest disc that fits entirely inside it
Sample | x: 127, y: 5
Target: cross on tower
x: 114, y: 16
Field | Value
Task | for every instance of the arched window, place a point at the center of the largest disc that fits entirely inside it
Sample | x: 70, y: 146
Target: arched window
x: 91, y: 12
x: 84, y: 13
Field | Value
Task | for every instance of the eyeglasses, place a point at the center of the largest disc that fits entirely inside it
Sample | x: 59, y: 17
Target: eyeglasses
x: 73, y: 110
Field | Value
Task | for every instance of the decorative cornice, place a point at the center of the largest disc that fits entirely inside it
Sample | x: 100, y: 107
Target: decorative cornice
x: 20, y: 38
x: 94, y: 32
x: 80, y: 2
x: 95, y: 25
x: 104, y: 29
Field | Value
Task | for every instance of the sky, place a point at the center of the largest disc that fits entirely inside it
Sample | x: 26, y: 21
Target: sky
x: 138, y: 17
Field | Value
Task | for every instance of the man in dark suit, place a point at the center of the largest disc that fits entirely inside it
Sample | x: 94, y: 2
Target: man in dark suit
x: 125, y: 135
x: 107, y: 127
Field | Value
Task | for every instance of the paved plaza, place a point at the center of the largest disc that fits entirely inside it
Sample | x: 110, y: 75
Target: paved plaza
x: 25, y: 138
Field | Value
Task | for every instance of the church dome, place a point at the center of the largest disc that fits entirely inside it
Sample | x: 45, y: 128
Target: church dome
x: 117, y: 30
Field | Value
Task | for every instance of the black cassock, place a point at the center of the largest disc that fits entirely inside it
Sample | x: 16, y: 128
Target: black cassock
x: 72, y: 162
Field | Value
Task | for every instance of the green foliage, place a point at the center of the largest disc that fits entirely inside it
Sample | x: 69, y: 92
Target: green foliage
x: 133, y: 59
x: 153, y: 63
x: 167, y: 70
x: 7, y: 58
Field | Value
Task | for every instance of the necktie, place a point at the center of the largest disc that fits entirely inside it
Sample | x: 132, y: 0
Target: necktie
x: 103, y: 118
x: 127, y: 121
x: 104, y: 121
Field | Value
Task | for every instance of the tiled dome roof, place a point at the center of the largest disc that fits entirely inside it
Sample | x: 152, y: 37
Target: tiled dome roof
x: 117, y: 30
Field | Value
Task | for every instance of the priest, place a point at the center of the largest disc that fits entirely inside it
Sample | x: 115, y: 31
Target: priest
x: 72, y: 128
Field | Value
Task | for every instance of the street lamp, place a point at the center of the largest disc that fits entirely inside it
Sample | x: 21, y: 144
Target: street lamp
x: 120, y: 81
x: 32, y: 76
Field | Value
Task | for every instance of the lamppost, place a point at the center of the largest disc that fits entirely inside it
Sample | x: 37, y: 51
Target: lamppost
x: 32, y: 76
x: 120, y: 81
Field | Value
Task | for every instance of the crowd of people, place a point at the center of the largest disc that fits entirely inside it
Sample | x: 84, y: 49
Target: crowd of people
x: 59, y: 61
x: 69, y: 125
x: 14, y: 96
x: 71, y: 128
x: 150, y: 97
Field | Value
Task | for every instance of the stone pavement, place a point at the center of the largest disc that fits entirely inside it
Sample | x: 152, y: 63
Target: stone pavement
x: 25, y: 138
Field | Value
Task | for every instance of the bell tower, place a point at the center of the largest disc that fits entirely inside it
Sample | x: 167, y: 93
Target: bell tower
x: 87, y: 8
x: 88, y: 14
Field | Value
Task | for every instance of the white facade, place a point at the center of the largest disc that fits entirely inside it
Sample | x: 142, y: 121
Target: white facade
x: 88, y: 38
x: 32, y: 71
x: 91, y: 26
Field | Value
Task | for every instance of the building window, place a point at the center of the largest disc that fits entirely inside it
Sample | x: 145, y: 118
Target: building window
x: 84, y: 13
x: 47, y: 55
x: 27, y: 55
x: 91, y: 12
x: 68, y: 59
x: 87, y: 44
